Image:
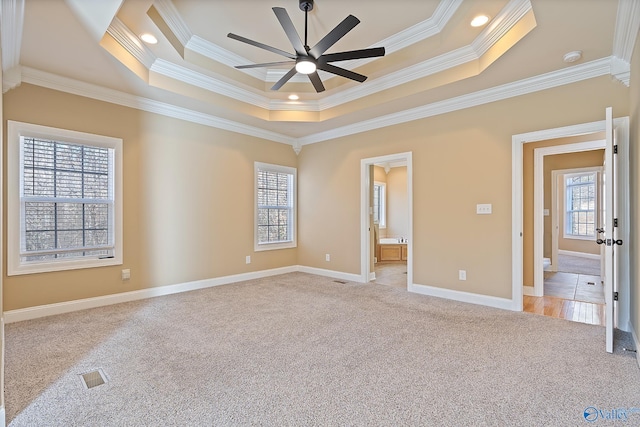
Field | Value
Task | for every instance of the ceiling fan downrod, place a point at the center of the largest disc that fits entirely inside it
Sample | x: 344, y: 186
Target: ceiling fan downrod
x: 306, y: 6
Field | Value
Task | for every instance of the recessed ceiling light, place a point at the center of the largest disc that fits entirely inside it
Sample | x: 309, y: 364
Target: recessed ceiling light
x: 479, y: 20
x: 294, y: 97
x: 148, y: 38
x: 572, y: 56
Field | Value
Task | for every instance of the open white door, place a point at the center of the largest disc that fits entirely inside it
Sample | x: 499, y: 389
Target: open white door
x: 610, y: 227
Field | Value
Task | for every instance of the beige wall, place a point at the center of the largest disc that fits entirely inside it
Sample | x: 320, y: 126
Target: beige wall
x: 183, y: 221
x: 635, y: 186
x: 460, y: 159
x: 397, y: 203
x: 561, y: 162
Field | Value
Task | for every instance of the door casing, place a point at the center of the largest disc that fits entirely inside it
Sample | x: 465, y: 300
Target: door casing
x: 622, y: 127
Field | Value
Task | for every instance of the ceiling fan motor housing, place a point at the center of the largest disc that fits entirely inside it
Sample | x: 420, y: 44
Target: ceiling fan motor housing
x: 306, y: 5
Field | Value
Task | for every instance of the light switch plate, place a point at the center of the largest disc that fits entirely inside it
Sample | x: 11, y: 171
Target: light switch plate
x: 483, y: 209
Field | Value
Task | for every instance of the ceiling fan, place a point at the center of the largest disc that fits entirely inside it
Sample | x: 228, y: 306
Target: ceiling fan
x: 309, y: 60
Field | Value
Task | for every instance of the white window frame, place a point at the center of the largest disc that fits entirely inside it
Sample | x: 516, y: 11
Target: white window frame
x: 15, y: 132
x: 565, y: 217
x: 293, y: 242
x: 382, y: 214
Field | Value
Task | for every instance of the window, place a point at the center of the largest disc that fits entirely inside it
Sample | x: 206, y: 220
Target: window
x: 380, y: 204
x: 64, y: 199
x: 580, y: 212
x: 275, y: 222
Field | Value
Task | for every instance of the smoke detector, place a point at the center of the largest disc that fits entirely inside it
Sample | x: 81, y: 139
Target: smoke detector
x: 572, y: 56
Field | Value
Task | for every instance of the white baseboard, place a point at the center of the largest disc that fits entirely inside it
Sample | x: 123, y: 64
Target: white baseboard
x: 529, y: 290
x: 19, y: 315
x: 636, y: 343
x: 372, y: 276
x: 503, y: 303
x: 579, y: 254
x: 350, y: 277
x: 3, y: 417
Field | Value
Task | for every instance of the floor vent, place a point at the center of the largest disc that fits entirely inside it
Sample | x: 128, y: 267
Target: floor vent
x: 93, y: 378
x: 340, y: 281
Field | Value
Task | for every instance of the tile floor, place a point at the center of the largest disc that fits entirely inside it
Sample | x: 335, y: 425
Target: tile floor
x: 391, y: 274
x: 572, y: 286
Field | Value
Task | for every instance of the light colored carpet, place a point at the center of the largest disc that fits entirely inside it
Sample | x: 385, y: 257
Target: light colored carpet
x: 579, y: 265
x: 304, y: 350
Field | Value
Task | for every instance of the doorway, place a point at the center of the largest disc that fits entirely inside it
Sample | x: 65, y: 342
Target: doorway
x: 392, y: 264
x: 621, y: 126
x: 566, y: 259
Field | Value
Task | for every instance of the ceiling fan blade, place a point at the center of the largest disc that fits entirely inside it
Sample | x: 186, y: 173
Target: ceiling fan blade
x: 317, y: 83
x: 334, y: 35
x: 266, y: 64
x: 342, y: 72
x: 292, y: 72
x: 261, y: 45
x: 352, y: 54
x: 290, y: 30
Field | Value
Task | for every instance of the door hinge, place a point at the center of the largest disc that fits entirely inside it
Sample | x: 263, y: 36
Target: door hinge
x: 615, y: 222
x: 615, y: 296
x: 615, y: 149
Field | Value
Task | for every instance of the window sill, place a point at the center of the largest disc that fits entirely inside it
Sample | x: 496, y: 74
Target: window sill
x: 259, y: 247
x: 48, y: 267
x: 572, y: 237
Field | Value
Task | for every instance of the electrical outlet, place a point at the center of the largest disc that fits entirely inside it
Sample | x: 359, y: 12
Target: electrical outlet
x: 126, y: 274
x: 248, y: 259
x: 483, y: 209
x: 327, y: 257
x: 462, y: 274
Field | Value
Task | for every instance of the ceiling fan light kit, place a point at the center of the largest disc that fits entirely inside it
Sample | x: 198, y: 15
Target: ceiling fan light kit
x: 305, y: 66
x: 309, y: 60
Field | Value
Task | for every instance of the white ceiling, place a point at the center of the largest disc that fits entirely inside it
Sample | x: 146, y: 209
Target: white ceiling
x: 435, y: 62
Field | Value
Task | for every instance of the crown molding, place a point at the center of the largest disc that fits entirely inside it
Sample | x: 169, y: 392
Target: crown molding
x: 405, y: 38
x: 621, y: 70
x: 406, y: 75
x: 422, y: 30
x: 624, y: 39
x: 170, y: 15
x: 11, y: 79
x: 216, y: 53
x: 626, y: 31
x: 522, y: 87
x: 285, y: 105
x: 88, y: 90
x: 509, y: 16
x: 209, y: 83
x: 11, y: 23
x: 130, y: 42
